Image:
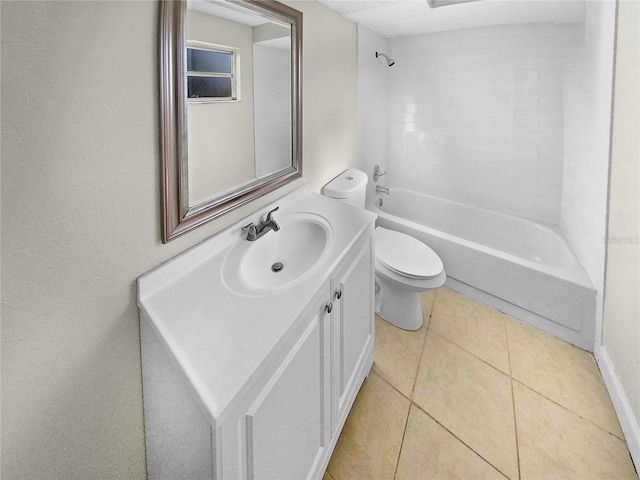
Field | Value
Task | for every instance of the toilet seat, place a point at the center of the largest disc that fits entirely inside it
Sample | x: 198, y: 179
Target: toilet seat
x: 406, y: 255
x: 408, y: 283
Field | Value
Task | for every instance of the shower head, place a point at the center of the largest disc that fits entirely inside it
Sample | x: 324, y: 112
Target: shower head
x: 389, y: 61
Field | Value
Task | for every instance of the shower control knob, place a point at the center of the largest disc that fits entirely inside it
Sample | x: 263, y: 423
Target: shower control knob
x: 329, y: 307
x: 338, y: 294
x: 377, y: 173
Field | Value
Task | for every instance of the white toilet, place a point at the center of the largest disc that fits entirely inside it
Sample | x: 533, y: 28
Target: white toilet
x: 404, y: 265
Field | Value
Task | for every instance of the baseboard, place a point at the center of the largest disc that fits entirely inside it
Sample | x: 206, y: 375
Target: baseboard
x: 626, y: 417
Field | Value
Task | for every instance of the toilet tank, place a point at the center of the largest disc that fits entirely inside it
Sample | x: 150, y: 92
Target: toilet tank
x: 350, y: 187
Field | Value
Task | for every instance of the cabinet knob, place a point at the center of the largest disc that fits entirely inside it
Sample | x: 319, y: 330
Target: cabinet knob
x: 338, y: 294
x: 329, y: 307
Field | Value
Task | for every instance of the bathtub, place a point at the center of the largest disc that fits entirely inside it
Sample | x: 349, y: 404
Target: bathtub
x: 518, y: 266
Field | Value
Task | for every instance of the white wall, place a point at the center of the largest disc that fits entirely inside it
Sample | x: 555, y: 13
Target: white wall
x: 373, y: 103
x: 476, y: 116
x: 621, y: 329
x: 81, y: 218
x: 587, y: 118
x: 330, y: 68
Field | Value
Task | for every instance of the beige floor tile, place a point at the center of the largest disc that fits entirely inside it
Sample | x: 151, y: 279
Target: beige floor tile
x: 555, y: 443
x: 369, y: 445
x: 562, y: 373
x: 476, y: 328
x: 327, y: 476
x: 471, y: 399
x: 397, y: 354
x: 431, y: 452
x: 426, y: 301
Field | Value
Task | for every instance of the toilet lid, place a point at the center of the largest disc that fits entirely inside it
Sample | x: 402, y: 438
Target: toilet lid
x: 406, y: 255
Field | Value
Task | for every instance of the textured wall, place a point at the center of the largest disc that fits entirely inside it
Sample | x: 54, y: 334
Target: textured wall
x: 81, y: 218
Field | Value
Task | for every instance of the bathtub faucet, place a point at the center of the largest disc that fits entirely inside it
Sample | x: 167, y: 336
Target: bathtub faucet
x: 381, y: 189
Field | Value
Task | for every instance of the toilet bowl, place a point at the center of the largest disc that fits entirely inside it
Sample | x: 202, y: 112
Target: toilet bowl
x: 404, y: 265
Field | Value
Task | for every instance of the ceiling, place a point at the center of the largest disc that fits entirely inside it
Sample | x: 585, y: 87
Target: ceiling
x: 399, y: 18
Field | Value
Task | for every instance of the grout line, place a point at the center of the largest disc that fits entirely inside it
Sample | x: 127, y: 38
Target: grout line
x: 459, y: 439
x: 472, y: 354
x: 513, y: 401
x: 388, y: 382
x: 533, y: 389
x: 424, y: 342
x: 512, y: 379
x: 415, y: 379
x: 486, y: 363
x: 412, y: 403
x: 404, y: 432
x: 568, y: 410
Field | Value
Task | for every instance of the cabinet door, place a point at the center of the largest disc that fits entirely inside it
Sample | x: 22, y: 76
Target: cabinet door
x: 352, y: 324
x: 285, y: 432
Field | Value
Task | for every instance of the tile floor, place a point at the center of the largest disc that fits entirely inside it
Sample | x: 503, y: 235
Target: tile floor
x: 476, y: 394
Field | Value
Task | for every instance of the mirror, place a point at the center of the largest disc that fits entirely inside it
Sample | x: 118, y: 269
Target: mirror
x: 230, y: 113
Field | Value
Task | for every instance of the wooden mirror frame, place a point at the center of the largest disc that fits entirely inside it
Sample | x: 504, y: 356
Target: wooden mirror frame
x: 177, y: 217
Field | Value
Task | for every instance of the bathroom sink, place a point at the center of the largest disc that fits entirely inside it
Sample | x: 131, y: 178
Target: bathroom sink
x: 279, y: 259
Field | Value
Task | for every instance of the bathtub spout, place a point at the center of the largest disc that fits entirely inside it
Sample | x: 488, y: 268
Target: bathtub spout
x: 381, y: 189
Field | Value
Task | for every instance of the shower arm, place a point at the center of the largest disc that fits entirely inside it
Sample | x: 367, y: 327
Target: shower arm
x: 390, y: 62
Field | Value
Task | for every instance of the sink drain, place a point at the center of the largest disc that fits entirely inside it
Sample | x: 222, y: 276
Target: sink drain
x: 277, y: 267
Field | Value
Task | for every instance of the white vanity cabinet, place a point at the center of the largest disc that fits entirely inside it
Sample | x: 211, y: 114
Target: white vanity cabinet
x: 296, y: 419
x: 352, y: 328
x: 284, y: 424
x: 284, y: 420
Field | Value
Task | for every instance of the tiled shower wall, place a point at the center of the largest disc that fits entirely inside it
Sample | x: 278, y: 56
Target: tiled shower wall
x: 373, y: 103
x: 476, y: 116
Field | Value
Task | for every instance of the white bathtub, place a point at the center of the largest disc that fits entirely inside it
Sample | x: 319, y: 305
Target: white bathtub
x: 520, y: 267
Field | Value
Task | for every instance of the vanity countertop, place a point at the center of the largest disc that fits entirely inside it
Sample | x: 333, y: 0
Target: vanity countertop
x: 219, y: 336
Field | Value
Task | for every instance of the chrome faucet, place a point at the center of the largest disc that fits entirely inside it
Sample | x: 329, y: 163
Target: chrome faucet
x: 254, y: 232
x: 381, y: 189
x: 377, y: 173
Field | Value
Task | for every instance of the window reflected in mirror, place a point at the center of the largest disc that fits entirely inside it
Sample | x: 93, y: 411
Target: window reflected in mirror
x: 210, y: 73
